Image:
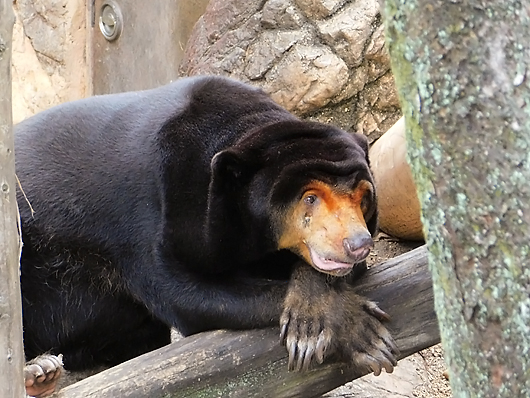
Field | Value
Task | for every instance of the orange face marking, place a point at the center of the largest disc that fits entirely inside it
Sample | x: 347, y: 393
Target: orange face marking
x: 316, y: 226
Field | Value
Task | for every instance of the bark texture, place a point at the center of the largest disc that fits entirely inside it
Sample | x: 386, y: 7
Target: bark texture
x: 461, y: 68
x: 11, y: 350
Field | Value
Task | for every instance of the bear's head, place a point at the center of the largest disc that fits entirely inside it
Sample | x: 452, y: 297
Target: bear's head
x: 305, y: 187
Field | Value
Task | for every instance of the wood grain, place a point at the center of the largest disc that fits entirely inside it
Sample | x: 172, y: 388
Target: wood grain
x: 253, y: 364
x: 11, y: 349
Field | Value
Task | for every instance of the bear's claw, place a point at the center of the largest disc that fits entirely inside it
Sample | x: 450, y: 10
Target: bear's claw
x: 342, y: 324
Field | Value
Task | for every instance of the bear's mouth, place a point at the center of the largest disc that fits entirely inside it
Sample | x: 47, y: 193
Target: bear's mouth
x: 329, y: 266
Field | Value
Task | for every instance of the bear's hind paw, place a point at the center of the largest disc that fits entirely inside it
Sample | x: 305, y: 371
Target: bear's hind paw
x: 41, y: 375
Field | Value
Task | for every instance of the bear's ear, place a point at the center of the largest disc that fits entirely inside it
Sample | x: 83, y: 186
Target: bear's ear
x: 229, y: 169
x: 362, y: 141
x: 372, y: 223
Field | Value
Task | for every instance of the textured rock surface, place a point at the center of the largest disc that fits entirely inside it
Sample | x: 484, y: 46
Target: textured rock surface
x: 322, y: 59
x: 49, y: 62
x: 348, y: 30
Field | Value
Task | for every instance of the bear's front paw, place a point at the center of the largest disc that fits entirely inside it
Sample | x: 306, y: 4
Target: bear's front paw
x: 340, y: 324
x: 306, y: 335
x: 41, y: 375
x: 362, y: 340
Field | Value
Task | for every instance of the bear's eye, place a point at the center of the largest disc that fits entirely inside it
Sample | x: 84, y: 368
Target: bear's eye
x: 310, y: 199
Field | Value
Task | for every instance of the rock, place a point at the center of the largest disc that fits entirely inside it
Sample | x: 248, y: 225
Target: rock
x: 49, y: 54
x: 399, y: 207
x: 321, y: 59
x: 347, y: 31
x: 317, y: 9
x: 220, y: 48
x: 32, y: 87
x: 378, y: 59
x: 307, y: 78
x: 281, y: 14
x: 267, y: 50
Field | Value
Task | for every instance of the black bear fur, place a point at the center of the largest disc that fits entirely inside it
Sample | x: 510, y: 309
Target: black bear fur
x: 146, y: 210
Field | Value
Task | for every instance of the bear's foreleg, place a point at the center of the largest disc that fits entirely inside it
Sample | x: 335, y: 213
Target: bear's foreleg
x: 194, y: 303
x: 324, y: 317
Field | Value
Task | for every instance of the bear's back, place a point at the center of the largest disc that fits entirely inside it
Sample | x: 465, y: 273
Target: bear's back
x: 100, y: 158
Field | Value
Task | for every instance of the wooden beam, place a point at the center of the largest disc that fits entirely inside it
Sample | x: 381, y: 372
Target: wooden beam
x: 11, y: 349
x: 253, y: 364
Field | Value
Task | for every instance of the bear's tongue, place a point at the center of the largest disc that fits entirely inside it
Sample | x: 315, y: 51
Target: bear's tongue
x: 327, y: 265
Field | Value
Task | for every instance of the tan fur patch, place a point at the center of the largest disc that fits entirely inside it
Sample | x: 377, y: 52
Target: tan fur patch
x: 322, y: 225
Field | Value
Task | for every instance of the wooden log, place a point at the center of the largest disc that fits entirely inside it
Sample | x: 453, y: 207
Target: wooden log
x: 11, y: 349
x: 253, y: 364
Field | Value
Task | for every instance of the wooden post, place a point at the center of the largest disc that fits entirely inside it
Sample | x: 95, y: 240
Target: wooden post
x: 11, y: 348
x: 253, y: 364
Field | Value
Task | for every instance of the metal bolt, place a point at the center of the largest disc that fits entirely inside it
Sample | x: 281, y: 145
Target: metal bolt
x: 110, y: 20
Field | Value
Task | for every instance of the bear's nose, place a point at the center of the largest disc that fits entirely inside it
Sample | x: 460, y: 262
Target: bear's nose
x: 358, y: 246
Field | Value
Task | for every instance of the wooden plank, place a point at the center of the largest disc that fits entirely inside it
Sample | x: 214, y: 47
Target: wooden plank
x: 11, y: 349
x: 253, y: 364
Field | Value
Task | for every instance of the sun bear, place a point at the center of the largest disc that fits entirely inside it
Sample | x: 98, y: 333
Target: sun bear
x: 198, y: 205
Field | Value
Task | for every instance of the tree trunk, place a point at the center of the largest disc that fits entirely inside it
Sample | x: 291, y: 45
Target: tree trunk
x: 462, y: 68
x: 11, y: 349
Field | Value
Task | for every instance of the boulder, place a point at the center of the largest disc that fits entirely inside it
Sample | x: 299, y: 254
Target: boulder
x: 399, y: 207
x: 322, y: 59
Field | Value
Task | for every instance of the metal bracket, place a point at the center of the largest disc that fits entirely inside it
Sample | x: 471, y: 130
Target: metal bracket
x: 110, y: 20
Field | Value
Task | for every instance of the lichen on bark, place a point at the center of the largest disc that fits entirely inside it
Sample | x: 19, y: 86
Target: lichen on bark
x: 462, y: 68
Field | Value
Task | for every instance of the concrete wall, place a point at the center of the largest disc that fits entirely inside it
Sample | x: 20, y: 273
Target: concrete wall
x: 59, y: 53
